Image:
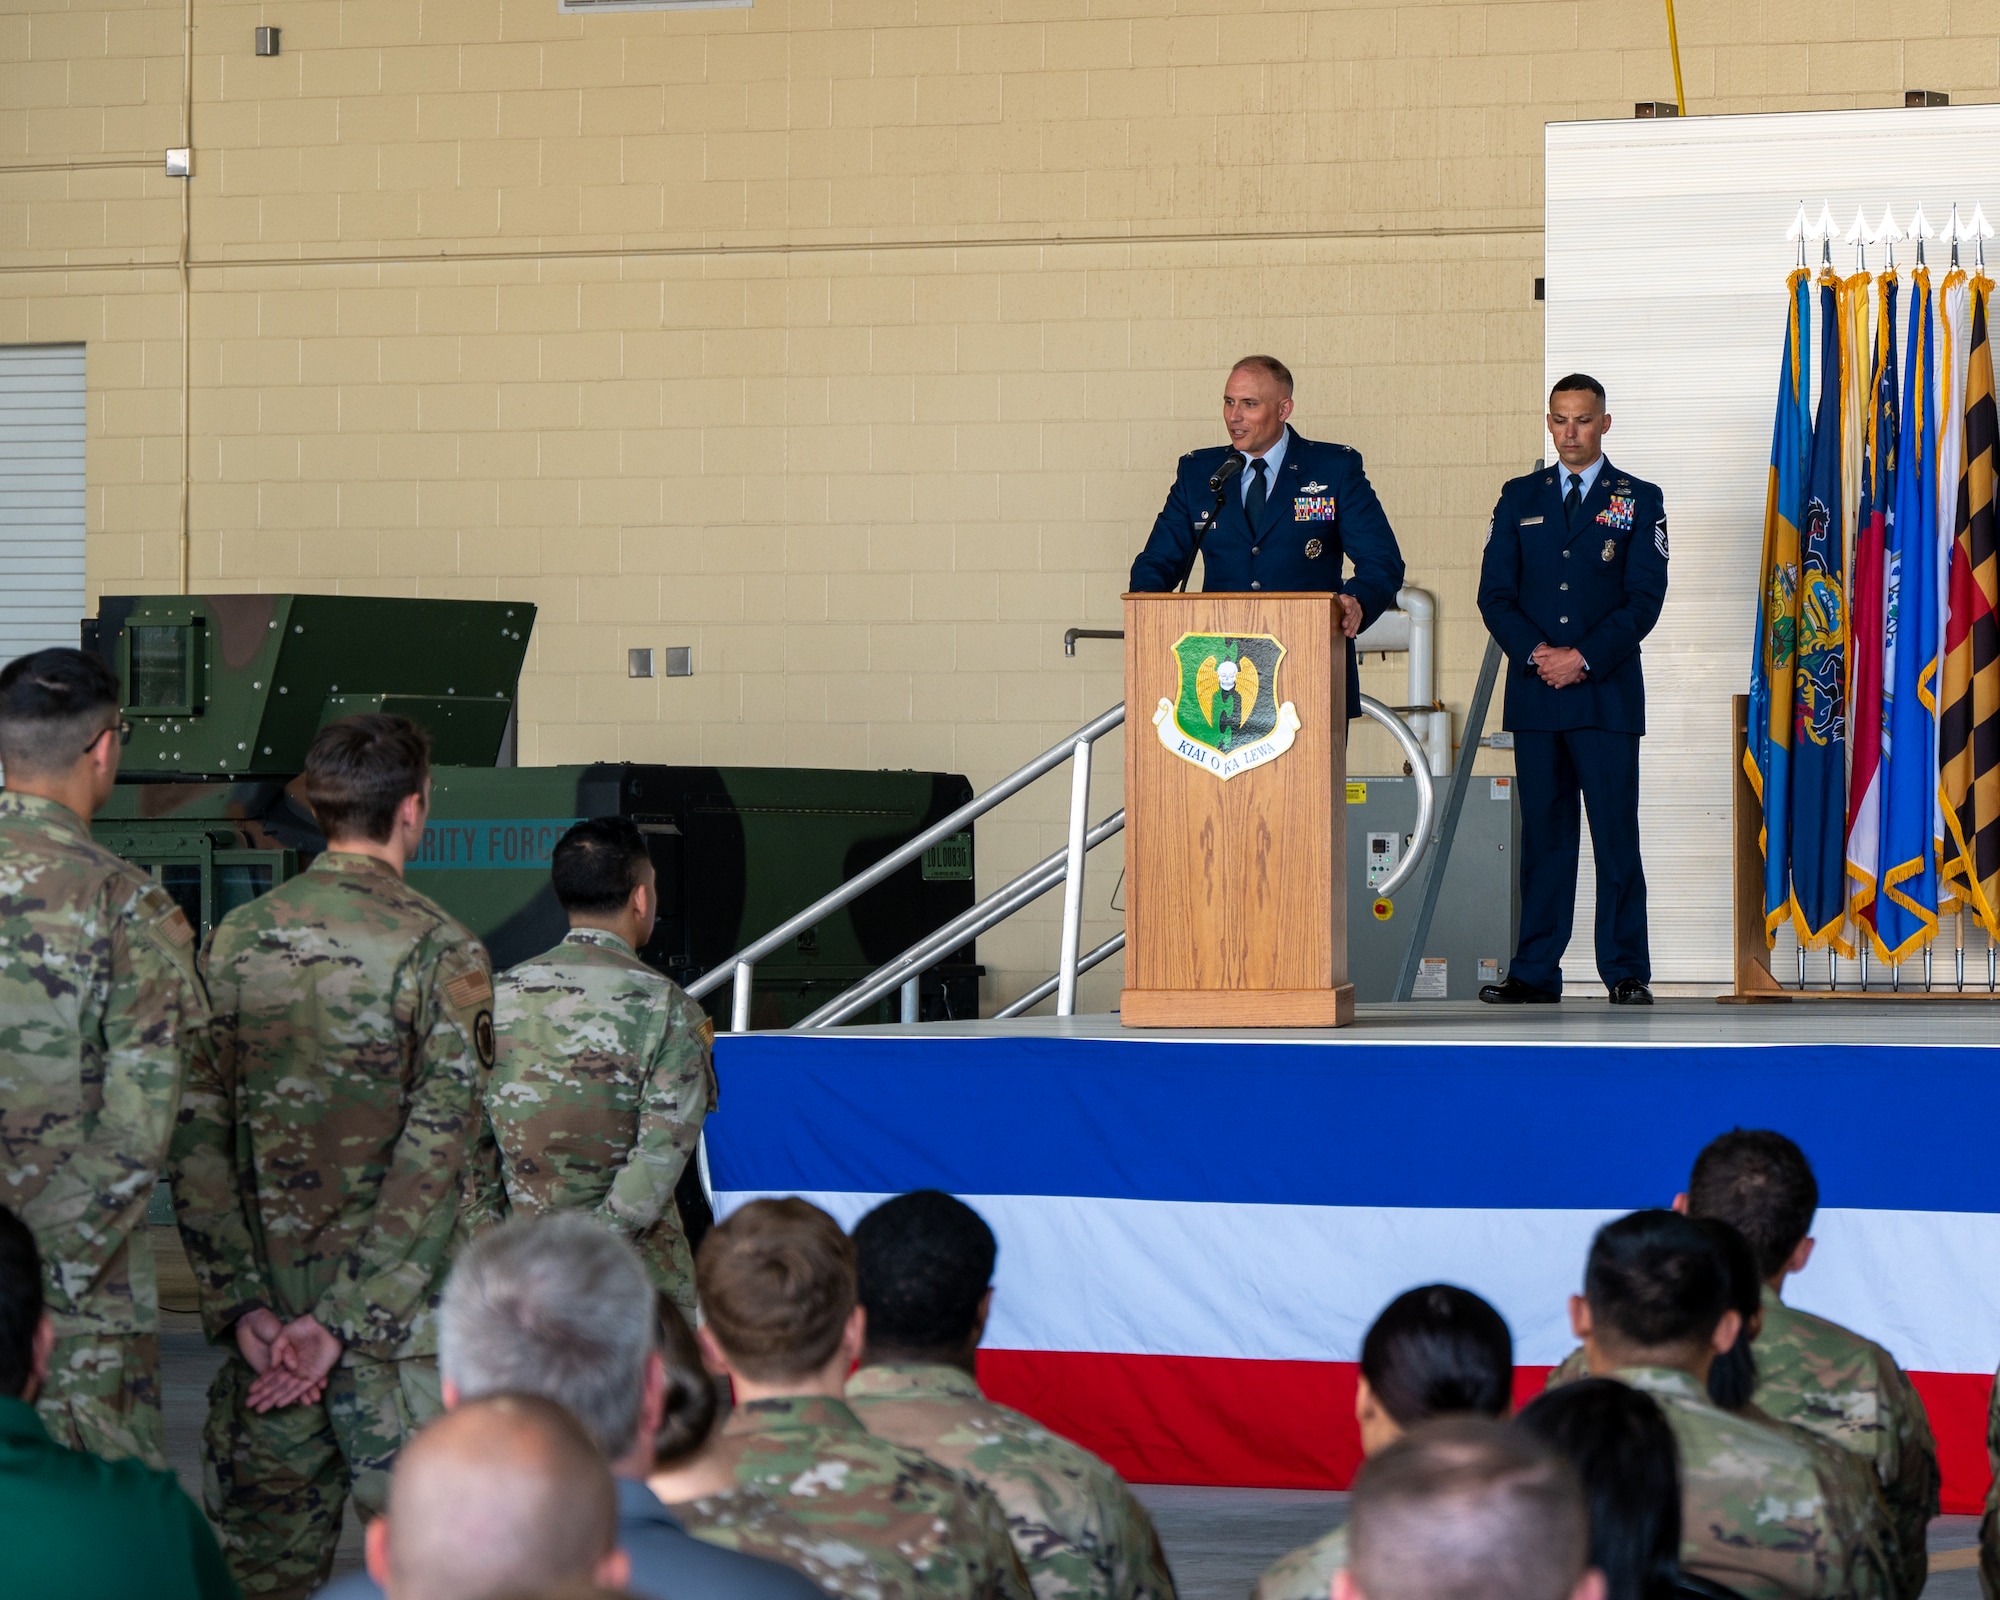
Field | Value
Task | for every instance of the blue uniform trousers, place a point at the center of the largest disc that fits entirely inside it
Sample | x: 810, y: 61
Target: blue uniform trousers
x: 1554, y: 771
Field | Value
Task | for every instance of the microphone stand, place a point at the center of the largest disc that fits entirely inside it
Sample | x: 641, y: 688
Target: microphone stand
x: 1224, y: 476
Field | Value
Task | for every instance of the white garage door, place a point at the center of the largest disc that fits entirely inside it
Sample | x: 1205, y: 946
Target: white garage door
x: 41, y: 496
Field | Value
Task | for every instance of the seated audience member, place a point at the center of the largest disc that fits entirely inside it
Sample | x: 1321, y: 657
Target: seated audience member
x: 1465, y: 1508
x: 777, y: 1288
x: 686, y: 1468
x: 925, y: 1267
x: 559, y: 1307
x: 1810, y: 1371
x: 1617, y: 1439
x: 503, y: 1494
x: 71, y: 1523
x: 1432, y: 1351
x: 1757, y: 1514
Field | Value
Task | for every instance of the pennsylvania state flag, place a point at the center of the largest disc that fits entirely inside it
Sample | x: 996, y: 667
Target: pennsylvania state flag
x: 1819, y: 676
x: 1907, y: 908
x: 1969, y: 707
x: 1767, y: 757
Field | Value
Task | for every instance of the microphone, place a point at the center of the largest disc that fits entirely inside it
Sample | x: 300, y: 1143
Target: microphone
x: 1231, y: 465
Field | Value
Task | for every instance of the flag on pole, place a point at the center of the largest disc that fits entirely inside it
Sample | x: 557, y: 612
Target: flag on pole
x: 1767, y: 757
x: 1906, y: 909
x: 1855, y: 374
x: 1954, y: 308
x: 1969, y: 714
x: 1819, y: 692
x: 1867, y: 633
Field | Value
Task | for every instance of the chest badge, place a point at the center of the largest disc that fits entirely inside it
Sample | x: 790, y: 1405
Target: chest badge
x: 1314, y: 487
x: 1313, y: 508
x: 1610, y: 548
x: 1314, y: 549
x: 1618, y: 514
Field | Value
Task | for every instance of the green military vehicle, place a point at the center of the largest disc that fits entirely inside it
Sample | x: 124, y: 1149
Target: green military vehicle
x: 224, y: 693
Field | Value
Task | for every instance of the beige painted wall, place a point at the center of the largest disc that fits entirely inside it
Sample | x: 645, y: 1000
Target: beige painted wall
x: 851, y: 344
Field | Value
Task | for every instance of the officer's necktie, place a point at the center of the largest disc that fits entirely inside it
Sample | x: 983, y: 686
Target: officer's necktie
x: 1573, y: 501
x: 1253, y: 501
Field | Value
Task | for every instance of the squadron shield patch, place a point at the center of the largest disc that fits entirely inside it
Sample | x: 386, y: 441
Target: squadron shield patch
x: 482, y: 1038
x: 1226, y: 715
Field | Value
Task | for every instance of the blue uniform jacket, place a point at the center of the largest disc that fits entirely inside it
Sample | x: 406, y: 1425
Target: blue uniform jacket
x: 1320, y: 513
x: 1599, y: 591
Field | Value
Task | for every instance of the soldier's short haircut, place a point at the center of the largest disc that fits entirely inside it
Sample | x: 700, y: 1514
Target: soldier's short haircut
x: 20, y: 1304
x: 51, y: 703
x: 596, y: 864
x: 692, y: 1401
x: 556, y: 1306
x: 777, y: 1284
x: 1732, y: 1376
x: 1465, y: 1508
x: 1656, y: 1280
x: 1761, y: 1184
x: 923, y: 1261
x: 1576, y: 383
x: 503, y: 1495
x: 1624, y: 1451
x: 359, y: 769
x: 1436, y: 1350
x: 1271, y: 367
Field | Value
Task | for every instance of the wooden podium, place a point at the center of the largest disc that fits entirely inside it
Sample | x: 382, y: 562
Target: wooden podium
x: 1235, y: 815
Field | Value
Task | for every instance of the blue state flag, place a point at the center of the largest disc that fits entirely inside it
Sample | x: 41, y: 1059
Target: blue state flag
x: 1767, y: 756
x: 1819, y: 693
x: 1906, y: 907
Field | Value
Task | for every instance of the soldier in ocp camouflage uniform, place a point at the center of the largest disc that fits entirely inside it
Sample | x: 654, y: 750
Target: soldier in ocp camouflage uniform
x: 603, y: 1076
x: 925, y: 1271
x: 100, y: 1007
x: 1989, y: 1524
x: 320, y: 1163
x: 1760, y: 1513
x: 777, y: 1291
x: 1813, y: 1373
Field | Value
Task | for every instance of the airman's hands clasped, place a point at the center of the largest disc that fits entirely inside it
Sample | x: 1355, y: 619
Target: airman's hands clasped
x: 291, y: 1359
x: 1558, y: 668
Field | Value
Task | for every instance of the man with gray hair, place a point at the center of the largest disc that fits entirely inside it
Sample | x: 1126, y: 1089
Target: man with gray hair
x: 557, y: 1306
x: 1464, y: 1508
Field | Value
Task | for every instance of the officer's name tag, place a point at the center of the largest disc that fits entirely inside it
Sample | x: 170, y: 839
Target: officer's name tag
x: 1313, y: 508
x: 1619, y: 513
x: 1531, y: 522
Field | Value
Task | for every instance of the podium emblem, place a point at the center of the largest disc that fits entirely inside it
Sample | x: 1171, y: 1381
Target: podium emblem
x: 1226, y: 716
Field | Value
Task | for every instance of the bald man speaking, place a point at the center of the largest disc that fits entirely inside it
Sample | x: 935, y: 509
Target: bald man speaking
x: 1273, y: 511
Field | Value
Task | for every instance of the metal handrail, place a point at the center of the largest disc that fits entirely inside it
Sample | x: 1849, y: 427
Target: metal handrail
x: 1053, y: 982
x: 1420, y: 769
x: 736, y: 966
x: 1030, y: 886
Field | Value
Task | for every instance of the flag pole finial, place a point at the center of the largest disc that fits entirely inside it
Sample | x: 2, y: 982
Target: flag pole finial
x: 1826, y: 230
x: 1888, y: 233
x: 1979, y: 230
x: 1861, y: 236
x: 1801, y: 230
x: 1920, y: 230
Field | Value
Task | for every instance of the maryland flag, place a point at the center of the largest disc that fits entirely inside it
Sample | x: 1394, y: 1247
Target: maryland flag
x: 1867, y: 634
x: 1819, y: 686
x: 1767, y: 758
x: 1969, y: 705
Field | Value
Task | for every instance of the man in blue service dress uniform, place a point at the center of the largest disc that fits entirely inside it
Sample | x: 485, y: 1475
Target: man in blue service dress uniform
x: 1296, y: 511
x: 1574, y: 576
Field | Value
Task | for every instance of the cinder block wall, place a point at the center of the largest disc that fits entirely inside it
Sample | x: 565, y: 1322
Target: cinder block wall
x: 851, y: 344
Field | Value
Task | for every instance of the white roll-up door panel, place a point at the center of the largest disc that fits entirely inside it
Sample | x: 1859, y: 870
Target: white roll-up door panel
x: 41, y: 496
x: 1666, y: 281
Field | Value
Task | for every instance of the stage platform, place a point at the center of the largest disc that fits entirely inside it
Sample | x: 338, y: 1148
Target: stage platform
x: 1197, y: 1226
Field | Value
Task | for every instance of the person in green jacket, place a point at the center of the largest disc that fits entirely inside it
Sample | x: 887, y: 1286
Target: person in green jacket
x: 57, y: 1504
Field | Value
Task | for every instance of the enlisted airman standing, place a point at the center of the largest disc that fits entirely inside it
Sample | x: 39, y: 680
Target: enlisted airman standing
x: 100, y: 1008
x: 321, y: 1168
x: 603, y: 1074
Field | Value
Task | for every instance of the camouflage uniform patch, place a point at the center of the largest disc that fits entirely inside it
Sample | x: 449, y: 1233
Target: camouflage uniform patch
x: 1757, y: 1515
x: 1076, y: 1526
x: 321, y: 1166
x: 602, y: 1082
x: 920, y: 1524
x: 1307, y: 1573
x: 1818, y: 1375
x: 100, y: 1010
x: 749, y: 1521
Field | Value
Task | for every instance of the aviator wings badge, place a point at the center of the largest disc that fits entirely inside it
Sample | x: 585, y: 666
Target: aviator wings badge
x: 1227, y: 716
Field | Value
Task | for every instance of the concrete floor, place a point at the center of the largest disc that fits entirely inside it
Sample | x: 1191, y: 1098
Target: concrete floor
x: 1217, y: 1539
